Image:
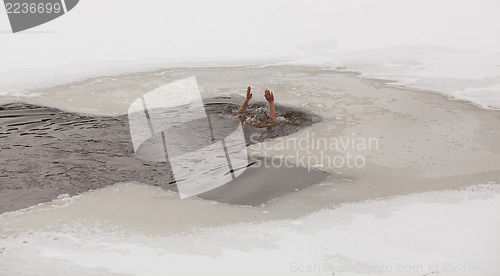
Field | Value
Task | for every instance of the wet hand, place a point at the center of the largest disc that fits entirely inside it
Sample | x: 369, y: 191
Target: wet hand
x: 269, y: 96
x: 249, y: 95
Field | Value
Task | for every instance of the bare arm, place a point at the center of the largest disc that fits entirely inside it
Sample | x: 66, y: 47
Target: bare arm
x: 245, y: 102
x: 270, y: 98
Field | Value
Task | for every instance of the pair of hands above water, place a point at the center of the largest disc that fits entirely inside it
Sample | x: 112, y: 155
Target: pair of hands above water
x: 267, y: 94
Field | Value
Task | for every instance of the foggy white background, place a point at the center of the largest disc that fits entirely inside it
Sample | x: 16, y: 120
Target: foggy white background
x: 103, y: 30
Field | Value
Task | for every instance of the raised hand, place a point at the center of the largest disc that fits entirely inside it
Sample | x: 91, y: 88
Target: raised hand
x: 269, y: 96
x: 247, y: 99
x: 249, y: 95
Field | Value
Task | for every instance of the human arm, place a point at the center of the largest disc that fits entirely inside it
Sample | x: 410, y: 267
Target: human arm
x: 245, y: 102
x: 270, y: 98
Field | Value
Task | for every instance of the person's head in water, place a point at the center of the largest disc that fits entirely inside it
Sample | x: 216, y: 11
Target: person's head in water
x: 269, y: 98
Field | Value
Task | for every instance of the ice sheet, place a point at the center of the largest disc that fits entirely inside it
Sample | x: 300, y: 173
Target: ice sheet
x: 450, y: 232
x: 95, y: 40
